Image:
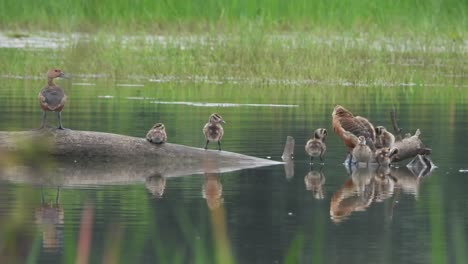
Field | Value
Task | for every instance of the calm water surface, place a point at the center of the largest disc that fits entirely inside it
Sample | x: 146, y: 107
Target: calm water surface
x: 272, y: 214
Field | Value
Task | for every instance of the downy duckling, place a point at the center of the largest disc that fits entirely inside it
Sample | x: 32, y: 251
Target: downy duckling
x: 383, y: 138
x: 52, y: 97
x: 384, y: 156
x: 213, y: 130
x: 315, y: 146
x: 157, y: 134
x: 362, y: 152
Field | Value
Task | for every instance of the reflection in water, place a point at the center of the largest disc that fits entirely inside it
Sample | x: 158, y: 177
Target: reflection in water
x: 355, y: 195
x: 367, y: 185
x: 156, y: 184
x: 288, y: 157
x: 314, y: 181
x: 212, y: 190
x: 50, y: 219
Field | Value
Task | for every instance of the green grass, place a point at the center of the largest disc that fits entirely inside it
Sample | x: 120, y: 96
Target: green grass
x: 253, y: 56
x: 201, y: 15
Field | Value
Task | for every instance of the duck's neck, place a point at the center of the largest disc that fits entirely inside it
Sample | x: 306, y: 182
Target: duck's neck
x: 50, y: 82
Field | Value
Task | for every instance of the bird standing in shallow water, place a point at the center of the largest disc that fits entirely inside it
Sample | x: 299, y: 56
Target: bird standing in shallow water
x: 157, y: 134
x: 349, y: 127
x: 362, y: 152
x: 213, y: 130
x: 315, y: 146
x: 52, y: 98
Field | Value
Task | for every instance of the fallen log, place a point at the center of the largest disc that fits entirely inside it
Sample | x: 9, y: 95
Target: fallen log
x: 88, y: 157
x: 409, y: 146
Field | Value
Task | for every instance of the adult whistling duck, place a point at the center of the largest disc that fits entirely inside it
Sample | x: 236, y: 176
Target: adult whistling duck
x: 349, y: 127
x: 52, y: 97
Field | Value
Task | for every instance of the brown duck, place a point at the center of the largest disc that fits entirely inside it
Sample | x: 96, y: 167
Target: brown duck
x: 157, y: 134
x: 52, y: 98
x: 315, y: 146
x: 213, y: 130
x: 349, y: 127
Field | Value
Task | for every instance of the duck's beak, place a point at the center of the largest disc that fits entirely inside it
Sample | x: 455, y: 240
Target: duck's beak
x: 63, y: 75
x: 222, y: 121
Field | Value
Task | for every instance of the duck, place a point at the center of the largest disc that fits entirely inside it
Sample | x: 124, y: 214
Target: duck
x: 383, y: 138
x: 52, y: 97
x: 315, y: 146
x: 213, y: 130
x: 384, y: 156
x: 349, y: 127
x: 362, y: 152
x: 157, y: 134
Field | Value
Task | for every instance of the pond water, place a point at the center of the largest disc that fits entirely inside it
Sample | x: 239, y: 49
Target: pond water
x: 275, y: 214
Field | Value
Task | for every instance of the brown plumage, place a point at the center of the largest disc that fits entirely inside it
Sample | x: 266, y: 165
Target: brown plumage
x: 348, y: 127
x: 383, y: 138
x: 384, y: 156
x: 51, y: 97
x: 157, y: 134
x: 315, y: 146
x: 362, y: 152
x: 213, y: 130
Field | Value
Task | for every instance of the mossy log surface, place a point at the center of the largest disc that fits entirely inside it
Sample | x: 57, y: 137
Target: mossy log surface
x: 90, y: 157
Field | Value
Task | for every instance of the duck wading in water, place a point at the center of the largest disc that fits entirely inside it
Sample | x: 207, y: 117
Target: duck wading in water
x: 52, y: 98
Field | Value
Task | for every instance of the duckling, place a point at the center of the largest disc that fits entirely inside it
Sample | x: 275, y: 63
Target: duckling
x: 348, y: 127
x: 362, y: 152
x: 383, y: 138
x: 213, y: 130
x: 157, y: 134
x: 315, y: 146
x: 52, y: 98
x: 384, y: 156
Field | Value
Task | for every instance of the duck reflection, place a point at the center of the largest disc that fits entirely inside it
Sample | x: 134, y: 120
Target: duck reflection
x: 314, y: 181
x: 367, y: 185
x: 384, y: 183
x: 50, y: 217
x: 354, y: 195
x: 156, y: 184
x: 212, y: 190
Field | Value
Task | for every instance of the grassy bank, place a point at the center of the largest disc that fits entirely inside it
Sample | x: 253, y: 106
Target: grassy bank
x: 252, y: 57
x: 448, y: 16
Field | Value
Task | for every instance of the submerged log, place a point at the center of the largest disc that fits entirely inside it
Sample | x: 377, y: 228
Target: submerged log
x: 86, y: 156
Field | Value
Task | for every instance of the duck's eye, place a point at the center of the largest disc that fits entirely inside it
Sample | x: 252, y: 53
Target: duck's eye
x: 56, y: 70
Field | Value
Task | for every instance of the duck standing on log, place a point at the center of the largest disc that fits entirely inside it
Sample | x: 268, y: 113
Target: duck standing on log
x: 213, y: 130
x: 52, y: 97
x: 157, y: 134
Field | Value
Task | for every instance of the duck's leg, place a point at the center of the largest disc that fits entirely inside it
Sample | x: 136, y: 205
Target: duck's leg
x: 311, y: 160
x: 44, y: 116
x: 57, y: 196
x: 206, y: 145
x: 59, y: 117
x: 321, y: 158
x: 219, y: 145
